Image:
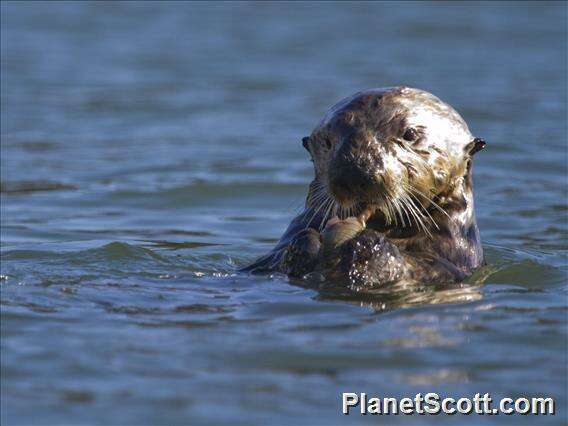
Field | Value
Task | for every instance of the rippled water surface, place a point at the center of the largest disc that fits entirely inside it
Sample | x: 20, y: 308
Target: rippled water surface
x: 150, y: 149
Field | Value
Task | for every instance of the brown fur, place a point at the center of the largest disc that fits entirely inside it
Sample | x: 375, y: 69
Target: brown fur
x: 423, y: 227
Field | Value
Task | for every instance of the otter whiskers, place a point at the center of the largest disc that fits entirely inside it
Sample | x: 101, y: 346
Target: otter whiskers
x: 431, y: 201
x: 404, y: 208
x: 321, y: 202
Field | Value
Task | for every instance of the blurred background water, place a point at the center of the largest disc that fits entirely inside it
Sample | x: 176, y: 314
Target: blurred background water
x: 147, y: 149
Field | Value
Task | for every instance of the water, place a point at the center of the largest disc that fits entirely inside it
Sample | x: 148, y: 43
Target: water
x: 149, y: 149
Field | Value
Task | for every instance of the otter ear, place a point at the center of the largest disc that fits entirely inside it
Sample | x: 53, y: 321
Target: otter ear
x: 475, y: 145
x: 305, y: 141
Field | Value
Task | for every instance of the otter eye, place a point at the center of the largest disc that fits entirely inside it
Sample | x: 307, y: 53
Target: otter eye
x: 410, y: 135
x: 327, y: 143
x: 305, y: 141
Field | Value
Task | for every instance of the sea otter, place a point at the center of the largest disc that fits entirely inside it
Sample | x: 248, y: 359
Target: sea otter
x: 392, y: 196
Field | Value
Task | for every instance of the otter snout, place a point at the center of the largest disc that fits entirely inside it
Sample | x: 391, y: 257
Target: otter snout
x: 355, y: 170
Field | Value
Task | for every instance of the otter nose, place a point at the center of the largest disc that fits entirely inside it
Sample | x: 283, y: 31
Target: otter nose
x: 350, y: 178
x: 354, y: 168
x: 359, y: 180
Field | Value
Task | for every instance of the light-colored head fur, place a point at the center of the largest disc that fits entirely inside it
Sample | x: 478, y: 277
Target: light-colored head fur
x: 400, y: 150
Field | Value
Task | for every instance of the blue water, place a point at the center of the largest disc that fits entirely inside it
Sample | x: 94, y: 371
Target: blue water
x: 147, y: 150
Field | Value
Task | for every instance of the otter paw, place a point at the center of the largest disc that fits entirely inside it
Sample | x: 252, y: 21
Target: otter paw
x: 301, y: 256
x: 369, y: 260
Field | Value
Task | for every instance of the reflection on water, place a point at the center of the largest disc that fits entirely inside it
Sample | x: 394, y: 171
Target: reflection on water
x: 399, y: 295
x: 148, y: 150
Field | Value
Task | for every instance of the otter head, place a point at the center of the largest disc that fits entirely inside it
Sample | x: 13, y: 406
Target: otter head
x: 401, y: 151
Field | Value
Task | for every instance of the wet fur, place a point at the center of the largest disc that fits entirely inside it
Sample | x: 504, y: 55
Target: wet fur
x: 363, y: 133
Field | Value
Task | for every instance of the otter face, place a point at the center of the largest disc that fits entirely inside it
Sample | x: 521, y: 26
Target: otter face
x: 395, y: 149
